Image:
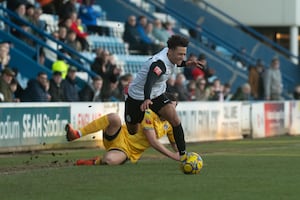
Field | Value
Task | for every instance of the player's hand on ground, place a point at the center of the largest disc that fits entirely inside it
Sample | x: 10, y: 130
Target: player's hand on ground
x: 183, y: 158
x: 146, y: 105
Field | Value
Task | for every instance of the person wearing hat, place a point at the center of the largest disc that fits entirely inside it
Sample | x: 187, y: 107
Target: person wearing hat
x: 6, y: 78
x: 60, y: 65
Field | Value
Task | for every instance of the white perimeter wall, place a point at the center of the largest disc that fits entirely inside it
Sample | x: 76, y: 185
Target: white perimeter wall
x: 36, y: 126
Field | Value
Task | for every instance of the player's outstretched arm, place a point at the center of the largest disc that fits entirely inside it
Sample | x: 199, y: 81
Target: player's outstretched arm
x: 174, y: 146
x: 151, y: 137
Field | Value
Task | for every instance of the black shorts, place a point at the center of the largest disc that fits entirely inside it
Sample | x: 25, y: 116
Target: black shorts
x: 133, y: 113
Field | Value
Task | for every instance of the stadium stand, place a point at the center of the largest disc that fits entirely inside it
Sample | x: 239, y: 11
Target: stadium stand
x: 218, y: 57
x: 227, y: 39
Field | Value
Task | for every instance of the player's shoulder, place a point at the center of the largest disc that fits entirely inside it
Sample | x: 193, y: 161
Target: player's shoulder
x: 150, y: 114
x: 149, y: 118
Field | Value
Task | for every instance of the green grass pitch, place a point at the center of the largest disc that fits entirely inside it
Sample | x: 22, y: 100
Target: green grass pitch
x: 244, y: 169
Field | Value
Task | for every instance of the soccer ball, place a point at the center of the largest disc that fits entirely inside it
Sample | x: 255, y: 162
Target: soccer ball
x: 193, y: 163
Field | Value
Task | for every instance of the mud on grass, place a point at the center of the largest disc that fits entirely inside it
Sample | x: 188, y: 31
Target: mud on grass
x: 31, y: 161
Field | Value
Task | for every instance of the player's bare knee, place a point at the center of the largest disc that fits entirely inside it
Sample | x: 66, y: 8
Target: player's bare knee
x: 110, y: 160
x: 114, y: 119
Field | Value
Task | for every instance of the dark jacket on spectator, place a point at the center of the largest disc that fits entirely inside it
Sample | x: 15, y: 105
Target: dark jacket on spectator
x: 88, y: 94
x: 132, y: 36
x: 35, y: 92
x: 56, y: 91
x: 70, y: 90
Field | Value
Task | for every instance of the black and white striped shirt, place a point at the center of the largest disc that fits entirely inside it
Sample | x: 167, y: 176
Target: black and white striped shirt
x: 150, y: 81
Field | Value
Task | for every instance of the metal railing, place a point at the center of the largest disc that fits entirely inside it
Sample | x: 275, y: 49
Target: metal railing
x: 41, y: 43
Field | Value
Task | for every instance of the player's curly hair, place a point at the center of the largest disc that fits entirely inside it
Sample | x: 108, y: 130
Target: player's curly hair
x: 177, y: 41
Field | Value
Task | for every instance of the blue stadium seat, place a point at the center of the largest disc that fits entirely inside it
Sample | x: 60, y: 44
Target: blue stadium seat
x: 112, y: 44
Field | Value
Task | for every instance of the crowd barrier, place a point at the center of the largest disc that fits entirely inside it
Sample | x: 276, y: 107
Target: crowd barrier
x: 38, y: 126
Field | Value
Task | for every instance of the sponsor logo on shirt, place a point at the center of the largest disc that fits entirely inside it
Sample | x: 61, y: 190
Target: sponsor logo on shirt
x: 157, y: 70
x: 148, y: 121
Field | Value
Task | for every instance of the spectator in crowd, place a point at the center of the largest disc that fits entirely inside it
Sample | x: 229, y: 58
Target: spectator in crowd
x: 193, y: 73
x: 49, y: 54
x: 296, y: 92
x: 227, y: 95
x: 202, y: 92
x: 81, y: 26
x: 72, y: 42
x: 191, y: 88
x: 71, y: 23
x: 37, y: 89
x: 110, y: 90
x: 197, y: 72
x: 48, y: 6
x: 20, y: 11
x: 110, y: 75
x: 255, y: 79
x: 99, y: 64
x: 89, y: 17
x: 4, y: 54
x: 210, y: 75
x: 240, y: 58
x: 149, y: 47
x: 156, y: 44
x: 169, y: 27
x: 70, y: 87
x: 92, y: 92
x: 55, y: 88
x: 12, y: 5
x: 216, y: 91
x: 187, y: 71
x: 243, y: 93
x: 21, y: 83
x: 60, y: 65
x: 6, y: 78
x: 67, y: 9
x: 159, y: 32
x: 62, y: 33
x: 181, y: 90
x: 104, y: 65
x: 131, y: 35
x: 209, y: 72
x: 124, y: 82
x: 29, y: 12
x: 13, y: 87
x: 273, y: 81
x: 37, y: 22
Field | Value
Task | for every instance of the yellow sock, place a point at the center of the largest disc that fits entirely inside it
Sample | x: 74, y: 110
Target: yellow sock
x: 94, y: 126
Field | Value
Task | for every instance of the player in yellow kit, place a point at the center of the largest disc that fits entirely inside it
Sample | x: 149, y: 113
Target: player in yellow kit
x: 120, y: 145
